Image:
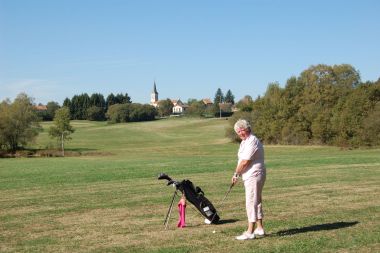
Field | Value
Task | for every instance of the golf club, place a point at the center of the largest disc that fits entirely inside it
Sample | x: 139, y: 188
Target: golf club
x: 229, y: 190
x: 224, y: 198
x: 194, y: 195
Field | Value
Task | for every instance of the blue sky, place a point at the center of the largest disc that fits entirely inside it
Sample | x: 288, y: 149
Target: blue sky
x: 53, y: 49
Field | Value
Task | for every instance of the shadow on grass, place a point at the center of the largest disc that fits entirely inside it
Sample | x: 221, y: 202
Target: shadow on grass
x: 314, y: 228
x: 80, y: 150
x: 220, y: 222
x: 38, y: 153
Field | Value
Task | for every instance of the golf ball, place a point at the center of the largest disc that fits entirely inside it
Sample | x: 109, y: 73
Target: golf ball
x: 213, y: 232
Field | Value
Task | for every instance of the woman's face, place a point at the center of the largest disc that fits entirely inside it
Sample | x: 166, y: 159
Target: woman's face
x: 243, y: 133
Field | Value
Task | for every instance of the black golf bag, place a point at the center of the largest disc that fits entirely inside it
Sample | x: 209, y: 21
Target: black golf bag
x: 195, y: 196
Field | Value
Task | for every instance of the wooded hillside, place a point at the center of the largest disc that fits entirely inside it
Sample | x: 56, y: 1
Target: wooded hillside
x: 324, y: 105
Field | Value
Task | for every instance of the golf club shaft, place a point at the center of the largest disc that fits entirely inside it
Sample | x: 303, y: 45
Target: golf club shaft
x: 225, y: 196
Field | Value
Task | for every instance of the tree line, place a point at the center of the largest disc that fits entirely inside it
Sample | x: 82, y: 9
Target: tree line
x: 221, y: 107
x: 94, y: 107
x: 324, y: 105
x: 19, y: 124
x: 19, y: 120
x: 119, y: 108
x: 115, y: 108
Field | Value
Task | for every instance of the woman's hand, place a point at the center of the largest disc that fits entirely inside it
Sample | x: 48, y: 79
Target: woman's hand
x: 234, y: 178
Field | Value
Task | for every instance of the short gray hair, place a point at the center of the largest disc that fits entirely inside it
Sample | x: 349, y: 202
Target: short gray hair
x: 242, y: 124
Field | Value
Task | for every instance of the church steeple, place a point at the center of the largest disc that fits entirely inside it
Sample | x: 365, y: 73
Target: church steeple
x: 154, y: 88
x: 154, y: 95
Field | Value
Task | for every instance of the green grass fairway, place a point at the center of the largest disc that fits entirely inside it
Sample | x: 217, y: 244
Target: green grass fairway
x: 316, y: 199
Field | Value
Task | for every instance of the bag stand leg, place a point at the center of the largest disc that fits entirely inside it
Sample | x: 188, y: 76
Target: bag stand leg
x: 166, y: 222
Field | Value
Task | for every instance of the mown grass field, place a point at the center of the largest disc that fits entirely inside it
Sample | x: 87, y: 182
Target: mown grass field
x: 316, y: 199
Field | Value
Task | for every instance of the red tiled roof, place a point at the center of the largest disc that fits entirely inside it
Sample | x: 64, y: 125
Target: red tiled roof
x: 41, y: 107
x: 207, y: 101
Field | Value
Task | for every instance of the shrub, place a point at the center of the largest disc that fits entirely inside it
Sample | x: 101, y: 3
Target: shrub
x: 132, y: 112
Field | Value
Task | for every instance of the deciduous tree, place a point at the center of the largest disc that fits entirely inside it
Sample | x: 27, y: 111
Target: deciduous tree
x: 165, y: 107
x: 61, y: 128
x: 19, y: 123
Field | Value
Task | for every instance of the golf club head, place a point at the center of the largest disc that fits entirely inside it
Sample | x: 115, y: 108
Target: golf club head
x: 171, y: 182
x: 199, y: 190
x: 164, y: 176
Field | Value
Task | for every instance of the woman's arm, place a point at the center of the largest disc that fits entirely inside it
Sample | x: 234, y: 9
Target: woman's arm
x: 240, y: 168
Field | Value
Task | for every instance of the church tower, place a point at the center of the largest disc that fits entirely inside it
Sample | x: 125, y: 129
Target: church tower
x: 154, y: 95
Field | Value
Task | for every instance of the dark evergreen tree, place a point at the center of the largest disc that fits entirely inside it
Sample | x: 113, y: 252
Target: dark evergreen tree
x: 219, y: 97
x: 111, y: 100
x: 122, y: 99
x: 98, y: 100
x: 67, y: 102
x: 229, y: 98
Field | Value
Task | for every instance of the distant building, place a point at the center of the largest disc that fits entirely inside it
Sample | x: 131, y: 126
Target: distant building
x: 207, y: 102
x: 41, y: 107
x: 178, y: 106
x: 154, y: 96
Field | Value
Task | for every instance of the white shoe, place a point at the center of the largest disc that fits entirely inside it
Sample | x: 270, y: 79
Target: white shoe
x: 245, y: 236
x: 259, y: 232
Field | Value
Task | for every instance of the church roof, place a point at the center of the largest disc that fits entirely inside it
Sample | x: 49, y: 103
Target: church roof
x: 154, y: 88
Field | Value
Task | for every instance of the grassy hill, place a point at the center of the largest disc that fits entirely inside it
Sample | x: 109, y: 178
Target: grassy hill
x: 316, y: 199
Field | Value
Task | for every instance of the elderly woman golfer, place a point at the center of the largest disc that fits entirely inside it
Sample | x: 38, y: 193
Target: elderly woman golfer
x: 252, y: 170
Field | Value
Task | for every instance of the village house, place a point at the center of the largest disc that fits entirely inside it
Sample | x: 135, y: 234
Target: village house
x: 207, y: 102
x: 41, y: 107
x: 178, y: 106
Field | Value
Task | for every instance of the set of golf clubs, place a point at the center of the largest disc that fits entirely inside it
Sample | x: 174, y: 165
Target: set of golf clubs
x: 207, y: 221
